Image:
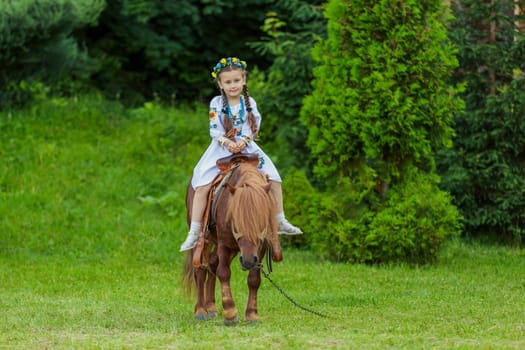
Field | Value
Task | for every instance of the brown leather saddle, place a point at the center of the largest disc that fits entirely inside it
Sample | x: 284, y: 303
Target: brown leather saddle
x: 225, y: 164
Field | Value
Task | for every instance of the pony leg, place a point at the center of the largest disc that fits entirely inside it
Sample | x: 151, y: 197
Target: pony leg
x: 200, y: 312
x: 254, y: 281
x: 277, y: 254
x: 229, y: 309
x: 211, y: 307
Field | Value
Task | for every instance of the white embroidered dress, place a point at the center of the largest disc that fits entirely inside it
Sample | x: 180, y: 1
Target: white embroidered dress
x: 206, y: 170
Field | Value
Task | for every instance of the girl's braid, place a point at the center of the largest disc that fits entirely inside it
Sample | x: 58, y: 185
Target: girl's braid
x: 251, y: 117
x: 228, y: 127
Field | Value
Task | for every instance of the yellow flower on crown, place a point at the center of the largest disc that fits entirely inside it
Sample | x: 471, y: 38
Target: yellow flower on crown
x: 226, y: 62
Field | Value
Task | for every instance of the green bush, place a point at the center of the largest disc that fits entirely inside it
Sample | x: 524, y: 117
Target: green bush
x: 417, y: 220
x: 301, y: 204
x: 409, y: 226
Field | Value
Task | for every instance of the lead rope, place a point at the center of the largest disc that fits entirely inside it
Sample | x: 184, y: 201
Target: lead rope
x: 267, y: 275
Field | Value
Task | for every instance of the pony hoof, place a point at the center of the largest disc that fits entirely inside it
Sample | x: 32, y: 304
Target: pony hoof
x: 231, y: 322
x: 253, y: 318
x: 201, y: 317
x: 212, y: 314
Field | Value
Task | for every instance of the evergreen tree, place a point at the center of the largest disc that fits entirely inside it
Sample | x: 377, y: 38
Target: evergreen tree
x: 381, y: 90
x: 36, y: 43
x: 485, y: 171
x: 381, y: 107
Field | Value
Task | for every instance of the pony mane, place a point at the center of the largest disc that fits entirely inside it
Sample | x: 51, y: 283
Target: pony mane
x: 251, y: 208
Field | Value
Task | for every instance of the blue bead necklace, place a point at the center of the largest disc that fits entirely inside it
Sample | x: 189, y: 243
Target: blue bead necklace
x: 239, y: 118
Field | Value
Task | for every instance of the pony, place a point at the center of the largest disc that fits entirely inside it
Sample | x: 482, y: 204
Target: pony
x: 242, y: 221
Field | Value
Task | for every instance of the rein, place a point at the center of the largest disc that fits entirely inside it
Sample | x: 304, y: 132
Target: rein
x: 267, y: 276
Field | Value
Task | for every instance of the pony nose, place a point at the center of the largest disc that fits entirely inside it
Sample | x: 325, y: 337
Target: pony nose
x: 248, y: 265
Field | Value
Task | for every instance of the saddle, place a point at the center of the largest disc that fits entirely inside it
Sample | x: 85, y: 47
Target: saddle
x: 226, y: 166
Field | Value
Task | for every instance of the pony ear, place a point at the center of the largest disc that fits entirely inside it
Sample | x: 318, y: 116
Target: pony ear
x: 231, y: 188
x: 267, y: 187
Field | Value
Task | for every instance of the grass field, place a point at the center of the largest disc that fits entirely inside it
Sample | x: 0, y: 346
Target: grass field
x: 91, y: 218
x: 474, y: 298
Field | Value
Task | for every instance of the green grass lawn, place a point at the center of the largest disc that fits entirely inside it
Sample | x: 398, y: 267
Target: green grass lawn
x: 91, y: 218
x: 474, y: 298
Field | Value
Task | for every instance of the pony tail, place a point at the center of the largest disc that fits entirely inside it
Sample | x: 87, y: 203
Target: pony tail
x: 225, y: 118
x: 251, y: 116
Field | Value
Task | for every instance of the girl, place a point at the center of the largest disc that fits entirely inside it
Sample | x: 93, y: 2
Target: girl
x: 234, y: 125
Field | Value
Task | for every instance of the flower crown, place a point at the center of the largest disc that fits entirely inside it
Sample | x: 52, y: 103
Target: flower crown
x: 225, y: 62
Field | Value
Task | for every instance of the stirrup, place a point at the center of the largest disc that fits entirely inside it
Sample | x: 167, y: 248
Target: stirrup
x: 197, y: 253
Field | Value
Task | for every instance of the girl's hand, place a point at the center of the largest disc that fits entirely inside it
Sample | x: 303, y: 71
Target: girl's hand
x: 236, y: 147
x: 232, y: 147
x: 241, y: 145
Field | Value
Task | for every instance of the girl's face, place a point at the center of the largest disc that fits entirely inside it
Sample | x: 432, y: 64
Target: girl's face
x: 232, y: 82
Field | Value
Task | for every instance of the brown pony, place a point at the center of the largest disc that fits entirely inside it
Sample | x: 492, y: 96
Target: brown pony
x: 242, y: 221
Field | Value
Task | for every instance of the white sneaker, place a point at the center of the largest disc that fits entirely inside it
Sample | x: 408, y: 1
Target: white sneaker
x: 190, y: 242
x: 285, y: 228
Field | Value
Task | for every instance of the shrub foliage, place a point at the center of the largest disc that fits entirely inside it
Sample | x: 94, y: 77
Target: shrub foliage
x: 37, y: 44
x: 165, y: 49
x: 381, y: 107
x: 485, y: 171
x: 291, y: 30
